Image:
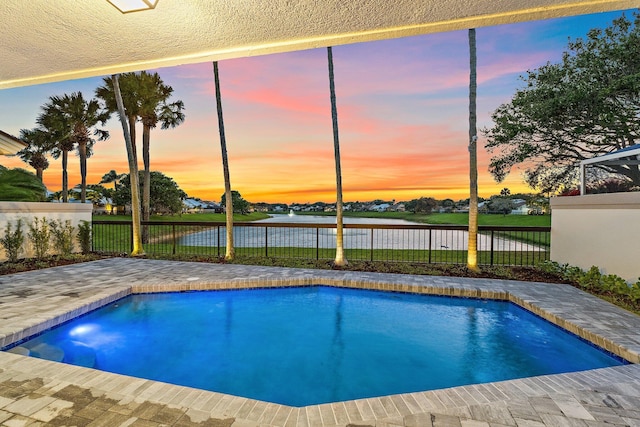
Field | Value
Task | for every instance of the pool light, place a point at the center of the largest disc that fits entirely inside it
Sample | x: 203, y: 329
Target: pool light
x: 127, y: 6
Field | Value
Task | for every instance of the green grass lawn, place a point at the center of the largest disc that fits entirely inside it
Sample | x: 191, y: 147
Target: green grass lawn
x: 195, y: 217
x: 451, y: 218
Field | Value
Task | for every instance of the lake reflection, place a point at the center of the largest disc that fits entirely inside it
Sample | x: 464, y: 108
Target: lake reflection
x: 354, y: 238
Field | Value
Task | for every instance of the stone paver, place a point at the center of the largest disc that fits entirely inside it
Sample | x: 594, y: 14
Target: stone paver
x: 36, y: 392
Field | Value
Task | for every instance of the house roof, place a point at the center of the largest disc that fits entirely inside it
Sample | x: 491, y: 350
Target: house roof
x: 46, y: 41
x: 10, y: 145
x: 625, y: 156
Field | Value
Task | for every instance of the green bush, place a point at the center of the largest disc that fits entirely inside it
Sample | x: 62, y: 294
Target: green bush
x: 634, y: 292
x: 62, y: 236
x: 12, y: 241
x: 84, y: 236
x: 39, y: 235
x: 591, y: 280
x: 594, y: 281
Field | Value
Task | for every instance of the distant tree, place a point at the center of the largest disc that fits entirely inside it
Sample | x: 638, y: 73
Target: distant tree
x: 112, y: 176
x: 166, y: 196
x: 93, y: 192
x: 240, y: 205
x: 424, y: 205
x: 503, y: 205
x: 586, y: 105
x: 101, y: 190
x: 19, y: 185
x: 35, y: 153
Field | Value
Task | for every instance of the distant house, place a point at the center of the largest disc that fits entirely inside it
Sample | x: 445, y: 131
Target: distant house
x: 520, y: 207
x: 104, y: 206
x: 382, y: 207
x: 212, y: 207
x: 193, y: 205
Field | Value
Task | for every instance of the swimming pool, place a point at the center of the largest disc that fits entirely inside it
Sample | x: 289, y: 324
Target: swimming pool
x: 306, y: 345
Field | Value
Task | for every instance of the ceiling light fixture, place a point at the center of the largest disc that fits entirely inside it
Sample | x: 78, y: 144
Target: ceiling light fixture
x: 126, y: 6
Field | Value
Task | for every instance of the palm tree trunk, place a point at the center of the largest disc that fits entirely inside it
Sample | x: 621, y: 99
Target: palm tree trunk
x: 340, y: 258
x: 82, y: 150
x: 132, y: 132
x: 137, y: 249
x: 146, y: 182
x: 65, y: 177
x: 472, y: 248
x: 230, y: 250
x: 39, y: 173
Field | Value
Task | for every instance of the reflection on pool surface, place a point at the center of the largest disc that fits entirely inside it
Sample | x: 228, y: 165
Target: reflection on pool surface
x: 309, y: 345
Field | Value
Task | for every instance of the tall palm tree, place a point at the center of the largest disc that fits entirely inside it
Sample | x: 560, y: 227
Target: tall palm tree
x: 137, y: 249
x: 52, y: 120
x: 154, y: 108
x: 76, y: 120
x: 129, y: 91
x: 472, y: 246
x: 35, y: 153
x: 229, y: 251
x: 340, y: 258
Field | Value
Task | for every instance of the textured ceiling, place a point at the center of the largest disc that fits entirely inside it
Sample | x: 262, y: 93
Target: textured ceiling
x: 52, y: 40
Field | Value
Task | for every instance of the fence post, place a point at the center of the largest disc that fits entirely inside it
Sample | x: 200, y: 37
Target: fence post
x: 430, y: 230
x: 173, y: 231
x: 131, y: 237
x: 317, y: 243
x: 372, y: 244
x: 218, y: 241
x: 266, y: 241
x: 492, y: 231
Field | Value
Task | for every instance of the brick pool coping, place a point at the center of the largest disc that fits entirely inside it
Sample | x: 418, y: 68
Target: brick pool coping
x: 35, y: 301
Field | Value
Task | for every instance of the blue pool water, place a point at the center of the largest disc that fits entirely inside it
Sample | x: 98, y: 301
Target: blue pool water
x: 310, y: 345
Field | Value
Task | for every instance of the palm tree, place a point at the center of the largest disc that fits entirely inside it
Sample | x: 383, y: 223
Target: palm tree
x: 51, y: 119
x: 112, y: 176
x: 229, y: 251
x: 340, y: 258
x: 128, y: 83
x: 20, y: 185
x: 137, y: 249
x: 35, y: 153
x: 75, y: 120
x: 153, y: 108
x: 472, y: 246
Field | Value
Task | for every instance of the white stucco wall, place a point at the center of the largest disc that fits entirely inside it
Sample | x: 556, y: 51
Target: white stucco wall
x: 10, y: 212
x: 598, y: 229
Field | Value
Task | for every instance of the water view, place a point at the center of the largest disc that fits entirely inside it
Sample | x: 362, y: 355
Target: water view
x: 297, y: 235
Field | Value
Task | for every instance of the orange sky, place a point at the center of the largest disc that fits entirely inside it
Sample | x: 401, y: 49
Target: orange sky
x: 402, y: 112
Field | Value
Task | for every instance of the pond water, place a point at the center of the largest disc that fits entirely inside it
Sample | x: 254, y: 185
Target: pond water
x: 354, y: 238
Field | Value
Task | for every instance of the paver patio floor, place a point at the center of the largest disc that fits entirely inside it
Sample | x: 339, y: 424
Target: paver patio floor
x: 36, y: 392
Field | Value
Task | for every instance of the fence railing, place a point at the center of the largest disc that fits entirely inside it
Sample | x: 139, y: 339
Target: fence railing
x: 420, y: 243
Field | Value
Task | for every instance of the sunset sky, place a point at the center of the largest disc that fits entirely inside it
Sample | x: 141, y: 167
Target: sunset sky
x: 402, y: 113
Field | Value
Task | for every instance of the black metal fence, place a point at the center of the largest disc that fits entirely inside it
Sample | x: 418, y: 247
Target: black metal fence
x: 420, y: 243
